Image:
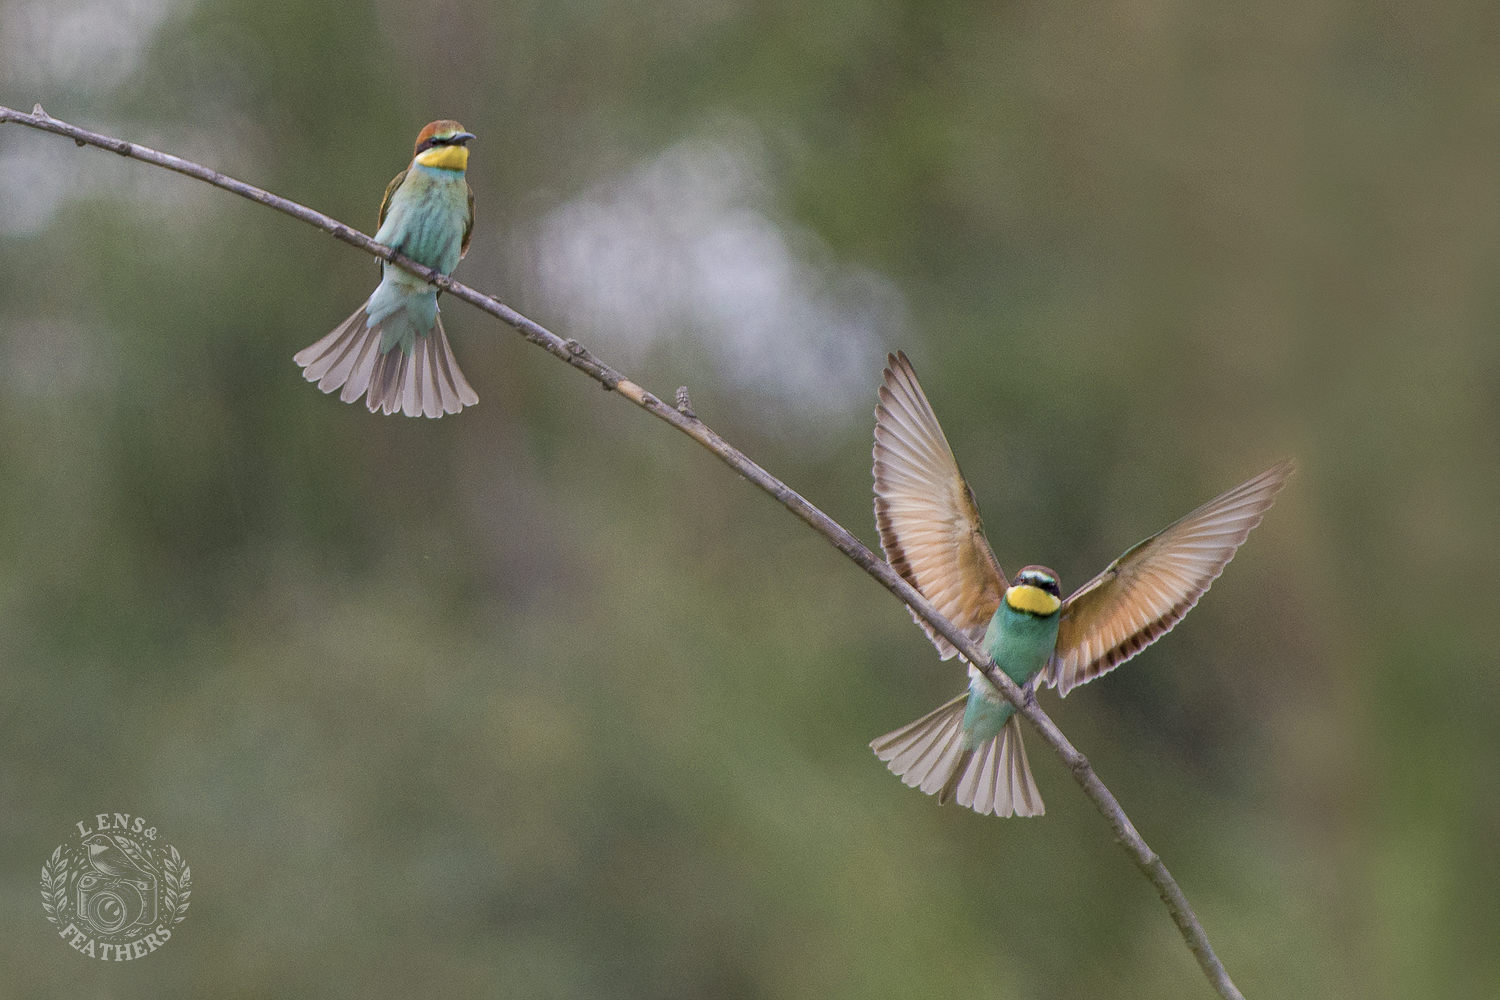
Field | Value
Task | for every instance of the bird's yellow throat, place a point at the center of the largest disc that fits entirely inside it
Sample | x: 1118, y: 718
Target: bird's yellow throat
x: 1031, y: 599
x: 445, y: 157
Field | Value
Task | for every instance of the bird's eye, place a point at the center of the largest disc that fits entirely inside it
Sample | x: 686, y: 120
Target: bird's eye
x: 1041, y: 581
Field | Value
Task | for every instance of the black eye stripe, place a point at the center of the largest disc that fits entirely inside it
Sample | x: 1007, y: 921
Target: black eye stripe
x: 1040, y: 581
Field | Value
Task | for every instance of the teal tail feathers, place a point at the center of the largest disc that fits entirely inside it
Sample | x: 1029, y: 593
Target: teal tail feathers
x: 416, y: 374
x: 932, y: 754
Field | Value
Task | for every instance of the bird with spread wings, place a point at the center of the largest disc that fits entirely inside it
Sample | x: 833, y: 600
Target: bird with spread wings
x: 970, y: 748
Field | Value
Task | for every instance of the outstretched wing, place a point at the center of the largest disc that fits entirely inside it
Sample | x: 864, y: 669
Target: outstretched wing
x: 929, y: 524
x: 1148, y: 589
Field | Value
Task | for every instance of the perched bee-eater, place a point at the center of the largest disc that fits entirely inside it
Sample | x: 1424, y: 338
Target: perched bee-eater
x: 393, y: 349
x: 970, y: 749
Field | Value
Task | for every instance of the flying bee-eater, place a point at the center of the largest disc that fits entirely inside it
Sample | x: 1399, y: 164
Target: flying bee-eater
x: 970, y: 749
x: 393, y: 350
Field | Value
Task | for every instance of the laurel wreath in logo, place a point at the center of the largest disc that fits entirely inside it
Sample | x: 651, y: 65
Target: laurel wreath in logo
x: 179, y: 879
x: 55, y: 885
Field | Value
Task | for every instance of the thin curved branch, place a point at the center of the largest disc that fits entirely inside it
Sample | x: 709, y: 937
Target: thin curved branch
x: 683, y: 418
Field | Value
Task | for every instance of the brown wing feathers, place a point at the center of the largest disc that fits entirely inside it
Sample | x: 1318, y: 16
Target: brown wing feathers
x: 929, y: 524
x: 1142, y: 594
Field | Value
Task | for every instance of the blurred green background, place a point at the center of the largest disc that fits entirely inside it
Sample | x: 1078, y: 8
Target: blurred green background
x: 542, y: 701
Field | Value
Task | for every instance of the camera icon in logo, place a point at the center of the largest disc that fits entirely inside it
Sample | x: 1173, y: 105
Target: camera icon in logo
x: 117, y: 891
